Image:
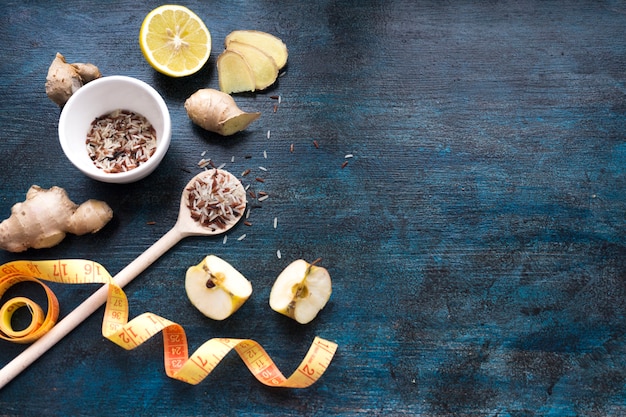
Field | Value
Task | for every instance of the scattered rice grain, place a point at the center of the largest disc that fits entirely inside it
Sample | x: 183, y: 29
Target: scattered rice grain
x: 275, y: 222
x: 204, y: 162
x: 278, y: 255
x: 348, y: 156
x: 225, y: 239
x: 242, y: 237
x: 265, y: 154
x: 268, y: 134
x: 263, y: 198
x: 263, y: 169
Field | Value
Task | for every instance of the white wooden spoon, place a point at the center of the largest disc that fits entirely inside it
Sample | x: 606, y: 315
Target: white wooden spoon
x: 185, y: 226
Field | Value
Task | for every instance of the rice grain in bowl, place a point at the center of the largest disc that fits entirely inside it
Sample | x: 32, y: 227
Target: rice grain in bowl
x: 99, y: 99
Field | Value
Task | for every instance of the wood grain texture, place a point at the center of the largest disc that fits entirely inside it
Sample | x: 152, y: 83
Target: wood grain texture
x: 476, y: 239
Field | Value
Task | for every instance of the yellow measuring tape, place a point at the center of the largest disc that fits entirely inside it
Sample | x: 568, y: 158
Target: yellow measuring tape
x: 130, y: 334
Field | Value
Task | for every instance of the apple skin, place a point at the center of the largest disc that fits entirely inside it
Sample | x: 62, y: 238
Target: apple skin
x: 301, y: 291
x: 216, y: 288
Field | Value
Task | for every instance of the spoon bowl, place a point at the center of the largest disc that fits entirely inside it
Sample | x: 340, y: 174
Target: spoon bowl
x: 229, y: 195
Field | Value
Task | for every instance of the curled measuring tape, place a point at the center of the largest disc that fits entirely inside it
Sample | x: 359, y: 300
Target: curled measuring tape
x: 130, y: 334
x: 39, y: 324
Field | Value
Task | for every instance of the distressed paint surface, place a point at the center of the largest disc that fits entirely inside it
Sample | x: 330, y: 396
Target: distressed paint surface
x: 476, y: 239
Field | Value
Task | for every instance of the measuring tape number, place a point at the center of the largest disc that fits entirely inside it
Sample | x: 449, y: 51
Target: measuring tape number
x: 131, y: 334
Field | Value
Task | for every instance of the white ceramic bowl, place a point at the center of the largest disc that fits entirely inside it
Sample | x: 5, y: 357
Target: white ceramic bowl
x: 100, y: 97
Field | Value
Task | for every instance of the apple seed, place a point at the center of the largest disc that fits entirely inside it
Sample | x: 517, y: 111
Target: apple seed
x: 214, y: 279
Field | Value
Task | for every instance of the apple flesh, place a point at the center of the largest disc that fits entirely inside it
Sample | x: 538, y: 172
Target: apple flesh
x: 216, y: 288
x: 301, y: 290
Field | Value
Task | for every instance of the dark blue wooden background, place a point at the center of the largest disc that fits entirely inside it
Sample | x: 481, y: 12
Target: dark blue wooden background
x: 476, y: 240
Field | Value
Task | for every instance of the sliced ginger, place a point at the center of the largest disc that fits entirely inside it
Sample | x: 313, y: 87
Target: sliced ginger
x: 264, y: 69
x: 264, y: 54
x: 46, y: 216
x: 217, y: 112
x: 266, y: 42
x: 235, y: 75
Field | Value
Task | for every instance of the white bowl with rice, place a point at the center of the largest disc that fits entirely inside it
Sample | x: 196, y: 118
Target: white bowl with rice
x: 115, y: 129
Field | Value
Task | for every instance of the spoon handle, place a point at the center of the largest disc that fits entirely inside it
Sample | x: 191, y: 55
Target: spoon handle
x: 88, y: 307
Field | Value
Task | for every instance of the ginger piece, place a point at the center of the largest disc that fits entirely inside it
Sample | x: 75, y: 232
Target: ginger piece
x: 266, y: 42
x: 262, y: 65
x: 65, y: 79
x: 264, y: 54
x: 234, y: 73
x: 46, y: 216
x: 88, y: 72
x: 217, y: 112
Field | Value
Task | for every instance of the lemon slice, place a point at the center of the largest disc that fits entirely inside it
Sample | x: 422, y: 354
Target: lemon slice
x: 174, y: 40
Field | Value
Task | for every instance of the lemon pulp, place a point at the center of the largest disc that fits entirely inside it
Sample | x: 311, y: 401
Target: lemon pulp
x: 174, y: 40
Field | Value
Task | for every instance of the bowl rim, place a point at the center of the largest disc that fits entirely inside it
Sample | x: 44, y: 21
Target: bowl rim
x: 142, y: 170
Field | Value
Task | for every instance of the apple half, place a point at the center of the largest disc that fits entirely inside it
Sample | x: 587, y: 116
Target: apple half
x: 216, y: 288
x: 301, y: 290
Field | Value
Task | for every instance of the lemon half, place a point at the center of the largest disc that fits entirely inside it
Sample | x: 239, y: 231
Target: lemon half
x: 174, y: 40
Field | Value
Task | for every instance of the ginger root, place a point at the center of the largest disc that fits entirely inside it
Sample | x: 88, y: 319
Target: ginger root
x: 44, y: 218
x: 217, y: 112
x: 65, y: 79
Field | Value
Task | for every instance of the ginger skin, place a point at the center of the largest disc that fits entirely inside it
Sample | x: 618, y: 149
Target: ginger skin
x: 217, y: 112
x: 65, y: 79
x: 46, y: 216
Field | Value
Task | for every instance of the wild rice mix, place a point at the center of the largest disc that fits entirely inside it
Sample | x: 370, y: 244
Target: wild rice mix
x: 120, y: 141
x: 216, y: 200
